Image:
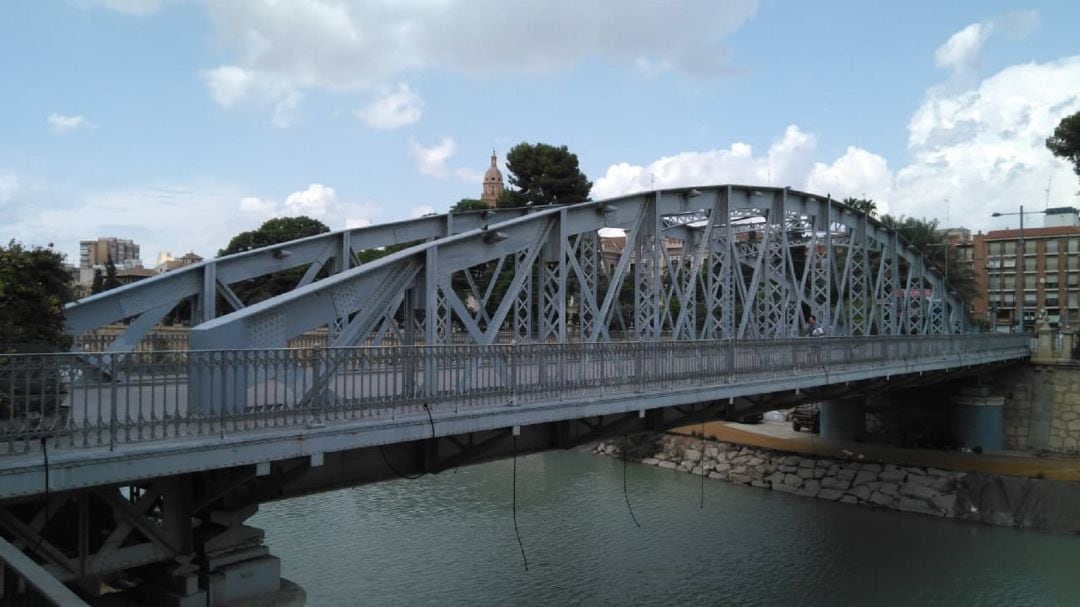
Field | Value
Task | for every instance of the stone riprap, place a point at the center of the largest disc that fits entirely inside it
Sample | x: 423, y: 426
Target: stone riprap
x: 998, y: 500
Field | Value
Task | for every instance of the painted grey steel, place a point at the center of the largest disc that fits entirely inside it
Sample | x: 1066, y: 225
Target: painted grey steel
x: 726, y: 261
x: 39, y: 586
x: 147, y: 301
x: 103, y: 429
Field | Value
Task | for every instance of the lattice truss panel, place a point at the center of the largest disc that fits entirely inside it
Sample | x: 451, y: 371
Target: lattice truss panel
x: 727, y: 262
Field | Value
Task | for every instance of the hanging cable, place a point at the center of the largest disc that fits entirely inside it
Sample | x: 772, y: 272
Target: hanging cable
x: 514, y: 506
x: 382, y: 452
x: 626, y: 496
x: 701, y: 464
x: 41, y: 532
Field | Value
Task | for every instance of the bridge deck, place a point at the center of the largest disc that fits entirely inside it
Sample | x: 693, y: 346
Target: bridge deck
x: 166, y: 413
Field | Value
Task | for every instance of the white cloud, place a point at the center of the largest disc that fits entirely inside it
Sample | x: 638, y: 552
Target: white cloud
x: 228, y: 84
x: 961, y: 52
x: 317, y: 201
x: 981, y: 149
x: 258, y: 206
x: 313, y: 201
x: 284, y: 110
x: 787, y: 162
x: 431, y: 160
x: 392, y: 108
x: 469, y: 175
x: 62, y: 124
x: 359, y: 44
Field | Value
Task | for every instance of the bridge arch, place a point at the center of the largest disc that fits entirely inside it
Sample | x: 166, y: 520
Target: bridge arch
x: 716, y: 262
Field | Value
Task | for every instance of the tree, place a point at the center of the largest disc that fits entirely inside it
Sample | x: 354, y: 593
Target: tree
x: 111, y: 281
x: 99, y: 282
x: 924, y: 235
x: 1065, y: 142
x: 274, y: 231
x: 468, y: 204
x: 34, y: 285
x: 543, y: 174
x: 865, y: 205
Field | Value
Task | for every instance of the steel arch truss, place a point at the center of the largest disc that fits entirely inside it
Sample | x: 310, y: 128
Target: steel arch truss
x: 709, y: 263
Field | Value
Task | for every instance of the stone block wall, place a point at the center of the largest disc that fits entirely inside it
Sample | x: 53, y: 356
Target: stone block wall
x: 1042, y: 406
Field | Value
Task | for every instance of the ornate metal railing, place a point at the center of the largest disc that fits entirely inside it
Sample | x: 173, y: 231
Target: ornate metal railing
x: 111, y: 399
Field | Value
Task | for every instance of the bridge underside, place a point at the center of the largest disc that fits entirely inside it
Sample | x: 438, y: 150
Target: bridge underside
x: 169, y: 530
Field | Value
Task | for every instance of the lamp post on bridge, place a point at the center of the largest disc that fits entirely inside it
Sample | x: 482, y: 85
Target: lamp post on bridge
x: 1020, y: 263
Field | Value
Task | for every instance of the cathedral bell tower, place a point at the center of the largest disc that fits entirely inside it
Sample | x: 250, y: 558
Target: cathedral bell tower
x: 493, y: 183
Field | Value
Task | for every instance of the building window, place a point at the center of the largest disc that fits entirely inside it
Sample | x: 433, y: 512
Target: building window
x: 1029, y: 299
x: 1051, y: 300
x: 1074, y: 300
x: 1029, y: 264
x: 1072, y: 262
x: 996, y: 248
x: 1029, y: 283
x: 1009, y: 282
x: 1052, y: 282
x: 1051, y: 247
x: 1072, y: 280
x: 1052, y: 263
x: 1010, y: 299
x: 1074, y: 245
x: 1010, y: 247
x: 1029, y: 247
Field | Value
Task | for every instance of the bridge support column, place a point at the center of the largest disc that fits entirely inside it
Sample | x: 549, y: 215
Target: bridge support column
x: 977, y: 419
x: 235, y: 563
x: 844, y: 419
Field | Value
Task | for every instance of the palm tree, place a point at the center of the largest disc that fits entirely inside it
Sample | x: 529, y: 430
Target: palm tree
x: 865, y: 205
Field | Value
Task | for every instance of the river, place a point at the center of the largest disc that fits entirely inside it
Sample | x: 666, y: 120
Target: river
x: 449, y: 540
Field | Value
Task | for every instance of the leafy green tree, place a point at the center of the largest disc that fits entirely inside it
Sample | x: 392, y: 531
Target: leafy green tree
x: 1065, y: 142
x: 34, y: 285
x: 111, y: 281
x: 865, y: 205
x: 274, y: 231
x: 99, y: 282
x: 468, y: 204
x: 543, y: 174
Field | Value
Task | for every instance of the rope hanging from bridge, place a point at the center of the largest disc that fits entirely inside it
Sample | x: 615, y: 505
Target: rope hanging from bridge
x: 626, y: 496
x: 517, y: 533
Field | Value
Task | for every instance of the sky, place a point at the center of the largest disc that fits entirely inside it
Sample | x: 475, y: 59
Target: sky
x: 180, y: 123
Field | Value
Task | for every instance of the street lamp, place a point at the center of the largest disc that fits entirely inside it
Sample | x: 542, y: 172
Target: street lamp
x: 1020, y: 263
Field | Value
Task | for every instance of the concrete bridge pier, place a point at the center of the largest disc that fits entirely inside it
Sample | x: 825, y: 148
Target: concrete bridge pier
x: 843, y: 419
x: 235, y: 564
x: 977, y: 419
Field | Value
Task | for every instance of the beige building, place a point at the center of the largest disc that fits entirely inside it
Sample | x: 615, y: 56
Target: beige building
x: 94, y: 254
x: 1041, y: 276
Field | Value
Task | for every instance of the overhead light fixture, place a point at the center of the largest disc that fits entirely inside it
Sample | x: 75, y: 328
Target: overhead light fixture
x: 493, y: 237
x: 692, y: 193
x: 281, y: 253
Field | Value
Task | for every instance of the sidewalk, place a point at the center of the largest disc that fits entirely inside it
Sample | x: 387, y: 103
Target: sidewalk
x: 779, y: 436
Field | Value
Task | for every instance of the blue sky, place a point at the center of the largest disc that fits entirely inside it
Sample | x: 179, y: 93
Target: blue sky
x: 181, y: 123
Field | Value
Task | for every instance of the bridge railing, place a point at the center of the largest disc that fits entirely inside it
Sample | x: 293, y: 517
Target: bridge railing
x: 113, y: 399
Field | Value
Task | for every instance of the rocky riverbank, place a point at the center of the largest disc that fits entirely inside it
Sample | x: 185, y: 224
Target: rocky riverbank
x: 1043, y: 505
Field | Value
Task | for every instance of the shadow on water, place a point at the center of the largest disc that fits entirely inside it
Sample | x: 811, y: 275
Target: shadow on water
x: 449, y: 540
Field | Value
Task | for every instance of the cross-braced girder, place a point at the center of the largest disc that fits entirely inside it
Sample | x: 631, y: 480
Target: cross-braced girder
x: 708, y: 263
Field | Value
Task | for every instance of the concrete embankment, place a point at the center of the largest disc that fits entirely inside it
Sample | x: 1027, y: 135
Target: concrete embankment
x: 1039, y: 504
